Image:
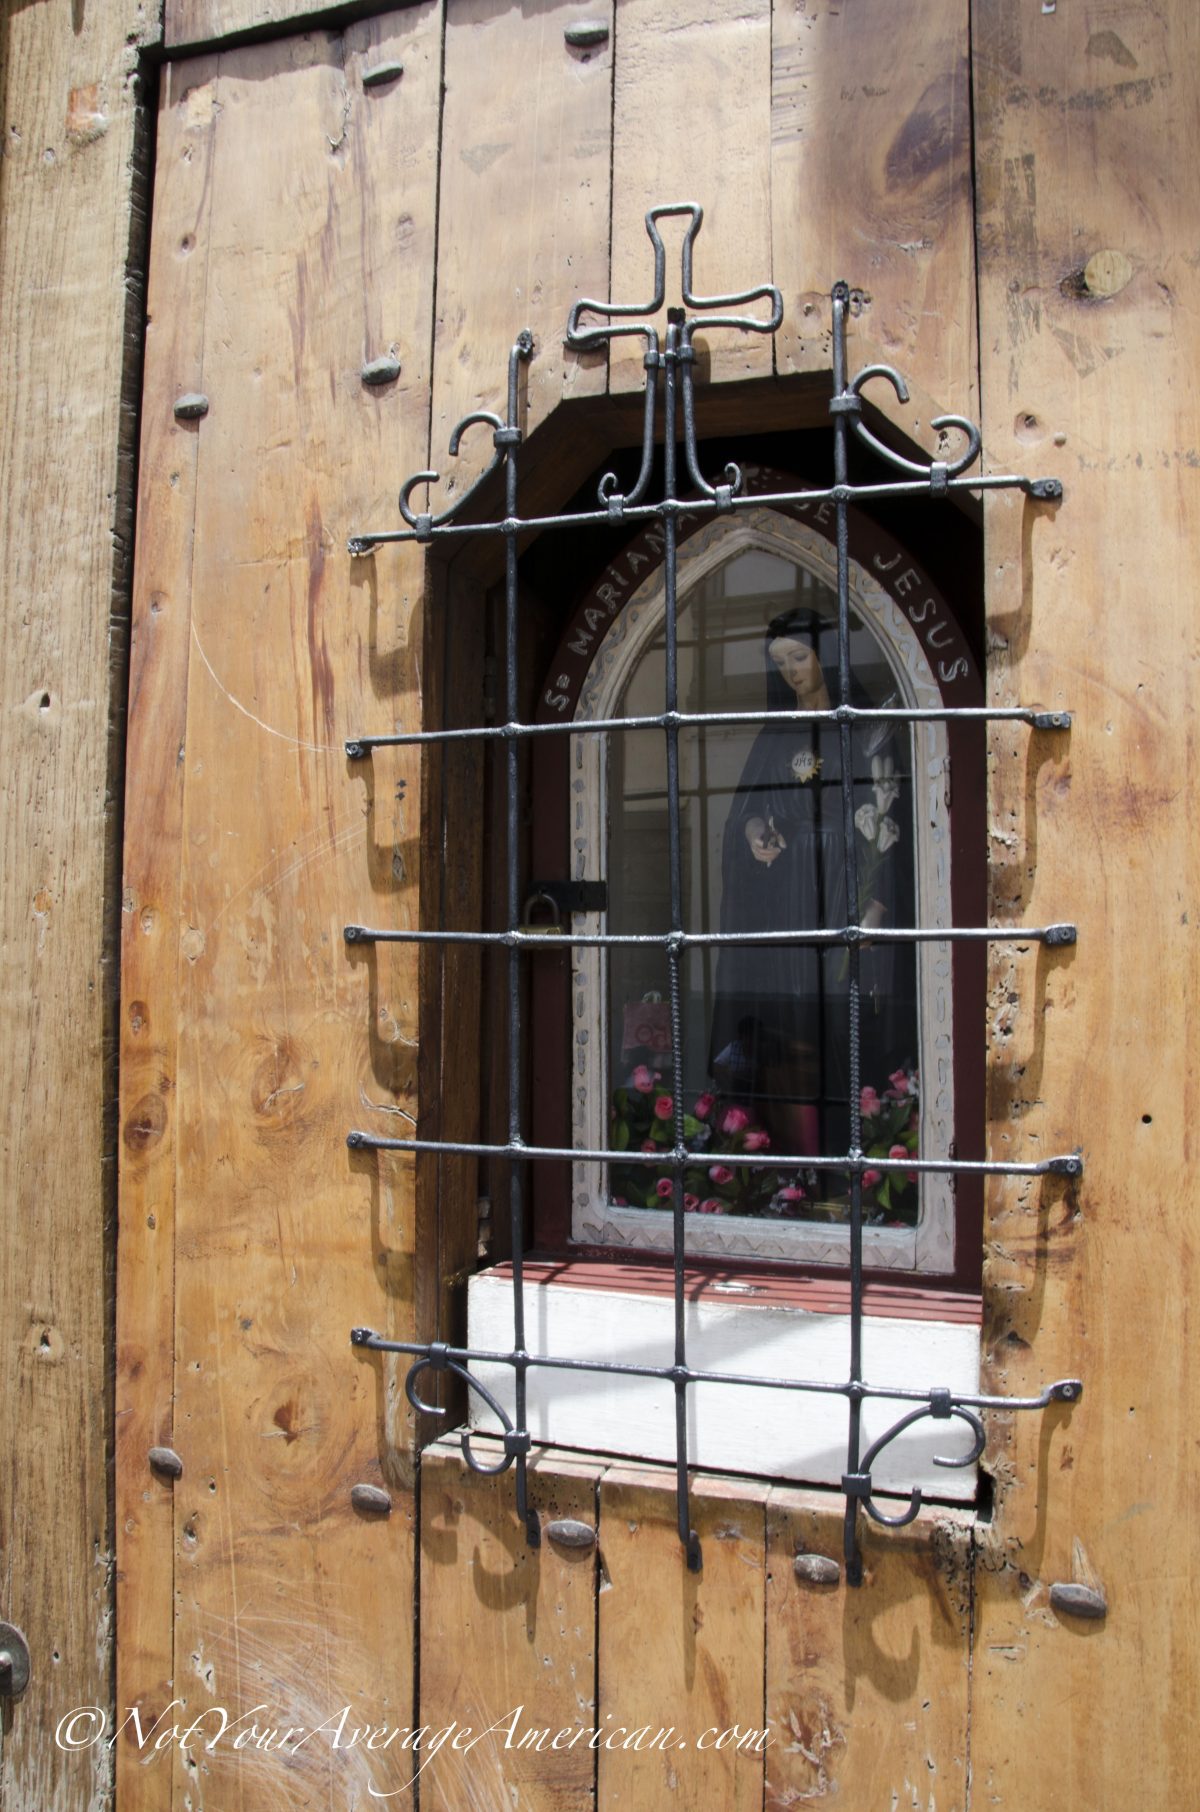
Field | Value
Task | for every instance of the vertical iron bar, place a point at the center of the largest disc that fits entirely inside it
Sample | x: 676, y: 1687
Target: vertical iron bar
x: 687, y: 1534
x: 517, y: 1170
x: 840, y: 299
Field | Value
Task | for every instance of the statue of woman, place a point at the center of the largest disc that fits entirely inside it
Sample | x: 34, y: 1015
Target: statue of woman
x: 780, y: 1030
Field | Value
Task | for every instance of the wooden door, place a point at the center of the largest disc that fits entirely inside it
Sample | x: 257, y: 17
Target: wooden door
x: 317, y: 211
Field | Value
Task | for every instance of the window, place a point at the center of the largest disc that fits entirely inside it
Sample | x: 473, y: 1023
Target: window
x: 764, y: 1029
x: 669, y: 1373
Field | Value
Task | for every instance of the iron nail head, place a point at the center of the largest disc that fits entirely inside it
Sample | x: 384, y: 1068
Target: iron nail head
x: 379, y: 74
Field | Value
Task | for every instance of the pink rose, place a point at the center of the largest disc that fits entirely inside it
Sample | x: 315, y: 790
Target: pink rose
x: 643, y: 1079
x: 899, y: 1081
x: 649, y: 1145
x: 691, y: 1203
x: 757, y: 1141
x: 664, y: 1107
x: 734, y: 1120
x: 793, y: 1193
x: 869, y: 1102
x: 720, y: 1173
x: 711, y: 1205
x: 619, y: 1201
x: 665, y: 1187
x: 898, y: 1151
x: 871, y: 1177
x: 704, y: 1106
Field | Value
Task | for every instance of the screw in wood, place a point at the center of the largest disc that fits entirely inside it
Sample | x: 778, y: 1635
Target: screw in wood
x: 1072, y: 1600
x: 381, y: 371
x: 371, y: 1498
x: 569, y: 1533
x: 380, y: 74
x: 587, y: 34
x: 816, y: 1569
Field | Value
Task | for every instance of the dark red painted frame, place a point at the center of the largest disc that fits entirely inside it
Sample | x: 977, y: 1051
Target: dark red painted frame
x: 961, y: 683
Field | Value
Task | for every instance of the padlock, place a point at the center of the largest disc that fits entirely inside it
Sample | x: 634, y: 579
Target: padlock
x: 555, y: 924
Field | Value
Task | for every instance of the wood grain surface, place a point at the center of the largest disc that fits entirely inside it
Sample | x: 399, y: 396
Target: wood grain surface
x: 691, y: 115
x: 523, y: 214
x: 508, y: 1635
x: 680, y: 1651
x: 155, y: 764
x: 188, y: 23
x: 274, y: 649
x: 841, y: 1662
x: 72, y: 207
x: 871, y: 181
x: 1088, y: 303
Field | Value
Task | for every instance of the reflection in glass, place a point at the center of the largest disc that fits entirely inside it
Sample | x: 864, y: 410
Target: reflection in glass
x: 765, y: 1029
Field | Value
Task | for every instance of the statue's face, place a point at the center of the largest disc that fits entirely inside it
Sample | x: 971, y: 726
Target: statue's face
x: 798, y: 664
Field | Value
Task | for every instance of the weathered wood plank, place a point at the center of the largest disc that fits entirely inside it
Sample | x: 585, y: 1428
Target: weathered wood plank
x: 71, y: 223
x: 320, y: 259
x: 871, y: 181
x: 160, y: 646
x: 508, y: 1636
x: 187, y: 23
x: 680, y: 1652
x: 523, y: 213
x: 1089, y: 301
x: 867, y: 1687
x: 691, y: 118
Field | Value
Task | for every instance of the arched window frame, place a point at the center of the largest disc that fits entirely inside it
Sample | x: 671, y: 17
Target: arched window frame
x: 929, y: 1247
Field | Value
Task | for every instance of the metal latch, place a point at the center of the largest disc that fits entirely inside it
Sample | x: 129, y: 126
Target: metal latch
x: 541, y: 914
x: 573, y: 896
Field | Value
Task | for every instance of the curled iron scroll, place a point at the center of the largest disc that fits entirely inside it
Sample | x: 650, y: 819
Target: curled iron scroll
x: 505, y: 435
x: 424, y: 521
x: 939, y: 1411
x: 937, y: 471
x: 436, y: 1361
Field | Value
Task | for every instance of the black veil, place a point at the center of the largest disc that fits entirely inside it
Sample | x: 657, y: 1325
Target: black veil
x: 780, y: 1021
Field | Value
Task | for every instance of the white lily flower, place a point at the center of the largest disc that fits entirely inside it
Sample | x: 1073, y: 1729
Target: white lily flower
x: 866, y: 818
x: 889, y: 833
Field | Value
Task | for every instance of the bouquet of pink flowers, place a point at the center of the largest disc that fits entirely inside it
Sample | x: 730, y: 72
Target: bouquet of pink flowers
x: 719, y: 1132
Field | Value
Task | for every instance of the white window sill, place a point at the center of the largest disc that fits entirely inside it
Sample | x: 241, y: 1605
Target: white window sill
x: 762, y: 1432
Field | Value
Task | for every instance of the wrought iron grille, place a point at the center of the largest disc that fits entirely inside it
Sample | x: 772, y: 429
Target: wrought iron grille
x: 688, y: 493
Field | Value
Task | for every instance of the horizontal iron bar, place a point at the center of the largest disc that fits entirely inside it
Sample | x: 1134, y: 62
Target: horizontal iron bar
x: 1064, y: 1390
x: 689, y: 506
x: 360, y: 746
x: 1053, y: 935
x: 1067, y: 1165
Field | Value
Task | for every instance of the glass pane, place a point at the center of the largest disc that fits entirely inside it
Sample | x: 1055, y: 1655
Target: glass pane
x: 765, y: 1029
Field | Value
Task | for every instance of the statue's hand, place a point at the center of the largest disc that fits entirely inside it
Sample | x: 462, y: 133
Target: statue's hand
x: 764, y: 840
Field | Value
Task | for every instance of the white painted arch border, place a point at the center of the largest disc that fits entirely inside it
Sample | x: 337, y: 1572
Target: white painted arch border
x: 929, y: 1247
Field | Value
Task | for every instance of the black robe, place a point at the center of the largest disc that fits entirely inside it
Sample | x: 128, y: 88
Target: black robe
x: 780, y: 1012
